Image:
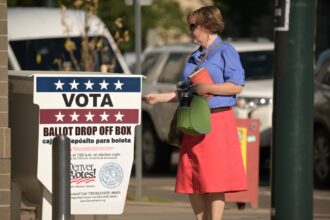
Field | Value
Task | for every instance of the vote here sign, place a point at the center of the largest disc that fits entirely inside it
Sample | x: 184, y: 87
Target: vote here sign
x: 98, y: 113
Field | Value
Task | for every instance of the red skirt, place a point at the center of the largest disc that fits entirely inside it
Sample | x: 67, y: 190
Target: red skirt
x: 212, y: 162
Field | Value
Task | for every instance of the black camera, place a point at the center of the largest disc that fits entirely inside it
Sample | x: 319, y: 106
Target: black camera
x: 184, y: 93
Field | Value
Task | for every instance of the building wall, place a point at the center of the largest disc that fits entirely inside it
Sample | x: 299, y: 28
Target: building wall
x: 5, y: 148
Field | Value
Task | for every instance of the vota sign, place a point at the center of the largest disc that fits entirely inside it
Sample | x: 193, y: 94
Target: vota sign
x: 98, y: 113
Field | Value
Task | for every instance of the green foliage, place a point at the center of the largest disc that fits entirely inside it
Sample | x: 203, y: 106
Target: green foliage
x: 162, y: 13
x: 165, y: 14
x: 112, y: 10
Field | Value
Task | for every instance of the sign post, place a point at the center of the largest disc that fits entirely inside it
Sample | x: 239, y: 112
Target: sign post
x: 292, y: 139
x: 99, y: 114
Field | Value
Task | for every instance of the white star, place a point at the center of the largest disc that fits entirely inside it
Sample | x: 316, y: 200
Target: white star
x: 118, y: 85
x: 104, y: 117
x: 89, y: 85
x: 59, y: 116
x: 74, y: 85
x: 89, y: 116
x: 104, y: 85
x: 119, y: 116
x: 74, y: 116
x: 59, y: 85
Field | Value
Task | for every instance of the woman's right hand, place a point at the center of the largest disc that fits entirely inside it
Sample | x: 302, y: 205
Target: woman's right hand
x: 154, y: 98
x: 151, y: 98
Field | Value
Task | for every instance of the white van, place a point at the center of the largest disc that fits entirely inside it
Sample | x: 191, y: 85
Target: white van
x: 50, y: 39
x: 37, y: 40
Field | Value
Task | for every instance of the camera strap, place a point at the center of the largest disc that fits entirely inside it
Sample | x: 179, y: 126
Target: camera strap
x: 205, y: 56
x: 188, y: 82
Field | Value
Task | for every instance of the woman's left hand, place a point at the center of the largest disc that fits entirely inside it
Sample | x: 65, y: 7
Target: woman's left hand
x: 200, y: 89
x: 226, y: 88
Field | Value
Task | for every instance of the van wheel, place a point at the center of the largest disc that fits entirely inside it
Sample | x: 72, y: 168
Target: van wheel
x: 156, y: 155
x: 321, y: 158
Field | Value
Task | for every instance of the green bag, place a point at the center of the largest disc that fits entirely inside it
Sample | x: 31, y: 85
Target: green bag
x: 194, y: 119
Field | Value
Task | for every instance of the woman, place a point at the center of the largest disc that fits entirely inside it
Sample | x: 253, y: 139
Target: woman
x: 211, y: 164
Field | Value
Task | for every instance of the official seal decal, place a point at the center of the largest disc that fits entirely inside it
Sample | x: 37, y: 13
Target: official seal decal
x: 111, y: 175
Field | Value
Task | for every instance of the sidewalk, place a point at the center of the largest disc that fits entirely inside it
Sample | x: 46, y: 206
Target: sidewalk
x: 164, y: 204
x: 182, y: 211
x: 175, y: 211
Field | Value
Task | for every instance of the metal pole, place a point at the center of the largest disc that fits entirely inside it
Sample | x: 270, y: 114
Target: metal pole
x: 138, y: 158
x: 292, y: 151
x: 61, y: 207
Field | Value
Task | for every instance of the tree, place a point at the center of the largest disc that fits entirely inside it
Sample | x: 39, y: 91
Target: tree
x: 162, y: 14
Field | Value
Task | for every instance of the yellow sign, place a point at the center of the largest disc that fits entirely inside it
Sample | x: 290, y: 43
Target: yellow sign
x: 242, y: 135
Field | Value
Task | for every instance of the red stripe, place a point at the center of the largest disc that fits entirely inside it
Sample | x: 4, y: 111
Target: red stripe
x: 75, y: 180
x: 90, y: 180
x: 48, y: 116
x: 82, y: 180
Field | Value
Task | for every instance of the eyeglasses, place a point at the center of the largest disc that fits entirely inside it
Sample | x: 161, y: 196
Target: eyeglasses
x: 192, y: 27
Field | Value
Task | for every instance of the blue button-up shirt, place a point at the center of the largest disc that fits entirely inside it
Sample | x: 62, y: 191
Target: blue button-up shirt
x: 224, y: 65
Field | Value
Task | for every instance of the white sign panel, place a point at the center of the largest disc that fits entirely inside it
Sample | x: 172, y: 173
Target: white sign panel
x: 98, y: 113
x: 282, y: 13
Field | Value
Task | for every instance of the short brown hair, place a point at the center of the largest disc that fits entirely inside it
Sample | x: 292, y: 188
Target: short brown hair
x: 208, y: 17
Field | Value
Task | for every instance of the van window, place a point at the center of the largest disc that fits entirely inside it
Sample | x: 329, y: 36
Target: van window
x: 257, y: 64
x: 149, y: 63
x: 173, y: 68
x: 53, y: 54
x: 10, y: 66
